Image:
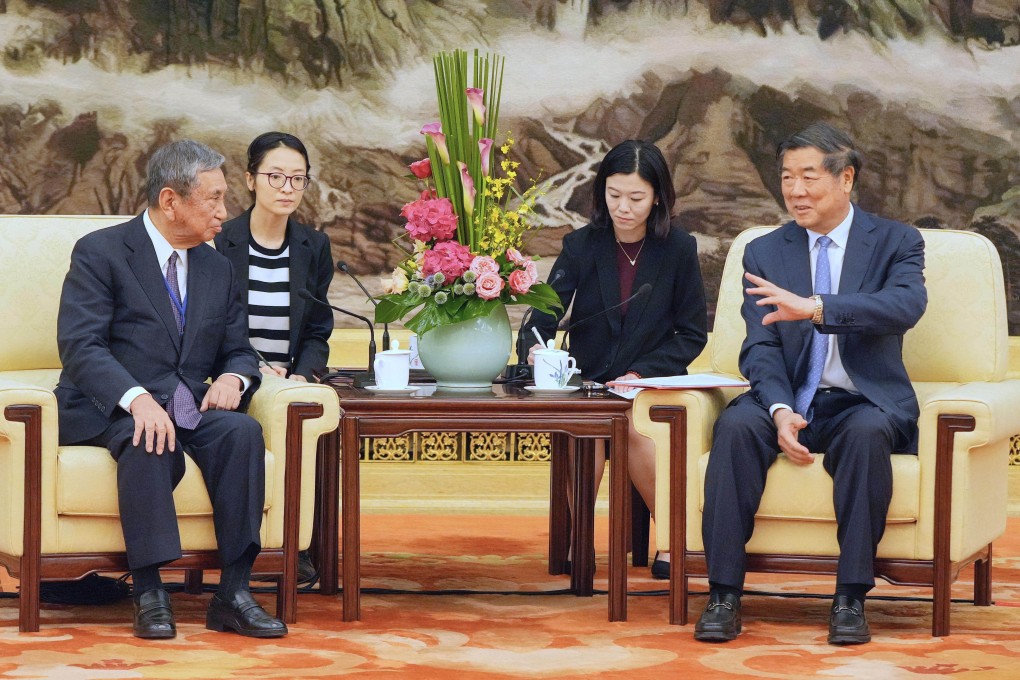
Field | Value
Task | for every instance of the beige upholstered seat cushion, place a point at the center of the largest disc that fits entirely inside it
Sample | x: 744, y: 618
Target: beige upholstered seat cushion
x: 804, y: 492
x: 87, y: 485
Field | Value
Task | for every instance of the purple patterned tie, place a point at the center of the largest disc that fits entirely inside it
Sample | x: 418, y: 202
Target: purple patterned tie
x: 181, y: 407
x: 819, y: 341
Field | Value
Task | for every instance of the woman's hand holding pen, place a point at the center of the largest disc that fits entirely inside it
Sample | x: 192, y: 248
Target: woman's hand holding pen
x: 273, y: 370
x: 266, y: 368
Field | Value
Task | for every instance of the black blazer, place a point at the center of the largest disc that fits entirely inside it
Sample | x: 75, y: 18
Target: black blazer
x: 664, y: 331
x: 881, y: 296
x: 311, y: 268
x: 116, y: 328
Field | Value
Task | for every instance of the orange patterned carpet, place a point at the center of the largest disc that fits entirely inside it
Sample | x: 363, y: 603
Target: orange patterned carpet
x: 523, y: 635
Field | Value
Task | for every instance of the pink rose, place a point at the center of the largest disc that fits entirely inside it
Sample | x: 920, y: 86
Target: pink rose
x: 532, y: 270
x: 430, y: 218
x: 483, y: 265
x: 488, y: 286
x: 448, y: 257
x: 515, y: 256
x: 520, y: 282
x: 421, y: 169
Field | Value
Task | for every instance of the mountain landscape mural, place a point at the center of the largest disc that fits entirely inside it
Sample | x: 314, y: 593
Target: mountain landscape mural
x: 930, y: 89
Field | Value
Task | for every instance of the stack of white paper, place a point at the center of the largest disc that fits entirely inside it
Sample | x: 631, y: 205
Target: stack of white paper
x: 697, y: 381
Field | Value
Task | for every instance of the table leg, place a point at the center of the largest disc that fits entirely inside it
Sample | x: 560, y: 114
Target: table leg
x: 351, y: 519
x: 326, y: 541
x: 559, y: 513
x: 619, y: 504
x: 582, y: 577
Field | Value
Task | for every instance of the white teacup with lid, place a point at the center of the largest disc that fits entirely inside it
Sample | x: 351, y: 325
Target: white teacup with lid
x: 553, y: 367
x: 392, y: 367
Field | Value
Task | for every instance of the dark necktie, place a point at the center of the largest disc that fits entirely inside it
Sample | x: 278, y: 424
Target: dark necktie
x: 819, y: 341
x: 181, y: 407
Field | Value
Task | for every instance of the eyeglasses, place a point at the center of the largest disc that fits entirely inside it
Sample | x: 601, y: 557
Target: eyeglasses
x: 277, y: 180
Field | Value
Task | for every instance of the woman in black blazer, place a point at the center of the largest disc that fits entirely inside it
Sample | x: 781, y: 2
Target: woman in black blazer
x: 274, y: 257
x: 629, y: 244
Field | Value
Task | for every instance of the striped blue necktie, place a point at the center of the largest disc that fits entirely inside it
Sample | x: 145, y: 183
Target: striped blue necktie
x: 819, y: 341
x: 181, y: 407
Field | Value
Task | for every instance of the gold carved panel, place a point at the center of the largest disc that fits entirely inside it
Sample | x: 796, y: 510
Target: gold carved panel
x: 488, y: 446
x: 440, y: 446
x: 387, y: 449
x: 484, y: 447
x: 532, y: 447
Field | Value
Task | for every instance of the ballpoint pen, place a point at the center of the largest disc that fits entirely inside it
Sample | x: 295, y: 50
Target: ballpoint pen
x: 538, y: 335
x: 259, y: 355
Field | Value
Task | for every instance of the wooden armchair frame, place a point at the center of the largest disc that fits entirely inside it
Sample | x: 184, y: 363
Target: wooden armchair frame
x: 33, y: 566
x: 938, y: 573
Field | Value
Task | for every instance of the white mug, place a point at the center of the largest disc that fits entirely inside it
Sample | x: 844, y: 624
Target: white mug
x: 392, y: 368
x: 553, y: 368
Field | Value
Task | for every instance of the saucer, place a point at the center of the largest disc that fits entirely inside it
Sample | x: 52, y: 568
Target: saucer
x: 552, y: 390
x: 398, y: 390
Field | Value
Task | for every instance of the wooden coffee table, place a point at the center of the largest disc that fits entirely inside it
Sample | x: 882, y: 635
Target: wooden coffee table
x: 574, y: 420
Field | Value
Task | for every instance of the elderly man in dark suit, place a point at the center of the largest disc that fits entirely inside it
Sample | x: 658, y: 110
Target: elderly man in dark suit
x: 826, y: 370
x: 148, y: 313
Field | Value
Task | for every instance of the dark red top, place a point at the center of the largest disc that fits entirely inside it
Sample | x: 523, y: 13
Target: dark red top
x: 626, y: 269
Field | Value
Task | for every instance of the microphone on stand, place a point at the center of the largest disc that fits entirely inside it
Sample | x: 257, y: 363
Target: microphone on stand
x: 305, y: 295
x: 342, y: 266
x: 522, y: 370
x: 643, y: 290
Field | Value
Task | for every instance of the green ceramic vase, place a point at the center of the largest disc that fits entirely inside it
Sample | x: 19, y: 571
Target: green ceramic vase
x: 469, y: 354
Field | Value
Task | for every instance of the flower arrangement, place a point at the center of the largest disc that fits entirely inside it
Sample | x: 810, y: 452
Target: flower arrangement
x: 468, y: 224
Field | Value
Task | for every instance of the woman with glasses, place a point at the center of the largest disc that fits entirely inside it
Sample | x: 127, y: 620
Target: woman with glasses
x: 275, y: 256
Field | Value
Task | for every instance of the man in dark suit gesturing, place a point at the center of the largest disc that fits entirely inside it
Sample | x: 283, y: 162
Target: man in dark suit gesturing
x: 148, y: 313
x: 829, y: 298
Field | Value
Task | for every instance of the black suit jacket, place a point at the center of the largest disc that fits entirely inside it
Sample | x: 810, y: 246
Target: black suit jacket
x: 116, y: 328
x: 881, y: 296
x: 663, y: 331
x: 311, y: 268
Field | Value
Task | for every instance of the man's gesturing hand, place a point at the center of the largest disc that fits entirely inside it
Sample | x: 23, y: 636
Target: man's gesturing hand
x: 152, y: 422
x: 789, y: 306
x: 223, y: 395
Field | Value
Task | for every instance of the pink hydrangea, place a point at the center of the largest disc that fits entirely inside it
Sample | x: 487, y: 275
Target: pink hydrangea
x: 430, y: 218
x: 484, y: 264
x: 488, y: 286
x: 448, y: 257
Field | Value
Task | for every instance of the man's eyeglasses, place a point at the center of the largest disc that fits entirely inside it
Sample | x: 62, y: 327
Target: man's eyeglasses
x: 277, y: 180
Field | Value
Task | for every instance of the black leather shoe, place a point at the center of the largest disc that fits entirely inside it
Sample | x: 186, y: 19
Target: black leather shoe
x: 154, y: 619
x: 243, y: 615
x: 306, y: 572
x: 660, y: 568
x: 847, y: 623
x: 720, y: 622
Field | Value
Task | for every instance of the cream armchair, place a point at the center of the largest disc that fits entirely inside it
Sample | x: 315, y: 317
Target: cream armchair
x: 58, y: 504
x: 949, y: 501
